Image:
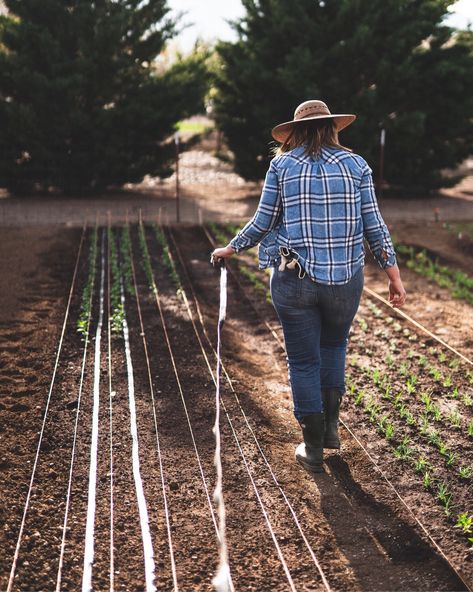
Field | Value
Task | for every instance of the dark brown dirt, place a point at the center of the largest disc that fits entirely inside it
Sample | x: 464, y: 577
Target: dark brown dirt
x: 361, y: 535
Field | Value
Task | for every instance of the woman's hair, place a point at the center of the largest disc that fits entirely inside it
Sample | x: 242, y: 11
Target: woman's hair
x: 313, y: 135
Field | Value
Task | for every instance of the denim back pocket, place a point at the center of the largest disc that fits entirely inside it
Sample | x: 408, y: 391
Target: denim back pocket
x: 285, y: 285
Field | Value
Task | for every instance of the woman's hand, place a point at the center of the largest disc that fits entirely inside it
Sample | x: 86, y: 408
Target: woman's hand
x: 222, y: 253
x: 397, y: 293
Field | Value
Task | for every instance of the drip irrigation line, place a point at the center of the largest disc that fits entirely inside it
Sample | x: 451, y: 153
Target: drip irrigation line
x: 155, y: 420
x: 110, y: 408
x: 74, y: 442
x: 222, y: 580
x: 45, y: 415
x: 247, y: 298
x: 418, y: 325
x: 142, y: 508
x: 273, y: 476
x: 91, y: 499
x: 398, y: 495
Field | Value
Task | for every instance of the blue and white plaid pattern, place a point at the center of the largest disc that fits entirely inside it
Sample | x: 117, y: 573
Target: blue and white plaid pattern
x: 320, y: 208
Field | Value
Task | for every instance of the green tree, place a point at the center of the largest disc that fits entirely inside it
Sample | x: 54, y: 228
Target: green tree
x: 392, y: 62
x: 83, y: 102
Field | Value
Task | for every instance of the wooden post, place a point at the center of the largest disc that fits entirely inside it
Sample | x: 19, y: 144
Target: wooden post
x: 382, y: 140
x: 176, y: 143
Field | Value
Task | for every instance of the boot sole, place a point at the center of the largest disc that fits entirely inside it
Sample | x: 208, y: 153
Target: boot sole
x: 310, y: 468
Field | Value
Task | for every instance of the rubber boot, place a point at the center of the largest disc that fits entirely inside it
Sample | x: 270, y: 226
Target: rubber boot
x: 310, y: 453
x: 331, y: 399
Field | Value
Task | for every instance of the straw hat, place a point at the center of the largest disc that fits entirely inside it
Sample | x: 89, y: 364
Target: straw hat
x: 308, y: 111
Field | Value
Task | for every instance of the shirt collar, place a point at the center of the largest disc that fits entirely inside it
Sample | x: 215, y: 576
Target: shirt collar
x: 328, y: 154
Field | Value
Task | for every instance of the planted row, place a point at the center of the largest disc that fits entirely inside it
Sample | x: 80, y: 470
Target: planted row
x: 459, y: 284
x: 405, y: 450
x: 86, y: 300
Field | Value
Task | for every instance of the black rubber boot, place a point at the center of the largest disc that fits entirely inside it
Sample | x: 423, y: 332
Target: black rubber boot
x: 331, y: 399
x: 310, y: 453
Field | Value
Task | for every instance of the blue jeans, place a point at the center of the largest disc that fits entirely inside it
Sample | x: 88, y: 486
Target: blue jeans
x: 316, y: 319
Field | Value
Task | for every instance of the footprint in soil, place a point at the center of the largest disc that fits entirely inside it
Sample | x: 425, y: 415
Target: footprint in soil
x: 12, y: 349
x: 21, y: 393
x: 19, y: 408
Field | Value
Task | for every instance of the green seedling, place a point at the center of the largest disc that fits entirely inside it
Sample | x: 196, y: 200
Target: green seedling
x: 447, y: 382
x: 436, y: 412
x: 403, y: 370
x: 403, y: 451
x: 467, y: 400
x: 465, y: 523
x: 435, y: 374
x: 450, y: 458
x: 469, y: 429
x: 427, y: 480
x: 389, y: 431
x: 420, y: 464
x: 387, y: 393
x: 465, y: 472
x: 359, y: 398
x: 411, y: 385
x: 434, y: 438
x: 454, y: 418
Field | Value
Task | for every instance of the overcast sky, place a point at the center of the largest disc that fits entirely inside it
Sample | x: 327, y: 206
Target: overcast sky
x: 208, y: 18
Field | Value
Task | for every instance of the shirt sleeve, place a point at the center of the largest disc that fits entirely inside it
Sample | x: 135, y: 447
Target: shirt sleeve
x: 266, y: 216
x: 374, y: 227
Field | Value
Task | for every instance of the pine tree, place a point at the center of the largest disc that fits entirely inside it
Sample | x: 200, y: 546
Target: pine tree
x: 83, y: 105
x: 392, y: 62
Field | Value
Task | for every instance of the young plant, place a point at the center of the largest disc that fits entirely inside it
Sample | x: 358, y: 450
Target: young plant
x: 465, y: 472
x: 465, y: 522
x: 117, y: 310
x: 86, y: 301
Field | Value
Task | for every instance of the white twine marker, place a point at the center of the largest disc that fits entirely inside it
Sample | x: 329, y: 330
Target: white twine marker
x: 222, y: 580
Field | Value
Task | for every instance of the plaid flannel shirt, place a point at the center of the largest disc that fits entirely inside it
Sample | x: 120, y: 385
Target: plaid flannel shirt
x: 320, y: 208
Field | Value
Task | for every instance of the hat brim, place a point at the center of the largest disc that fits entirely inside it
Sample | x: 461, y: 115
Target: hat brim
x: 281, y: 132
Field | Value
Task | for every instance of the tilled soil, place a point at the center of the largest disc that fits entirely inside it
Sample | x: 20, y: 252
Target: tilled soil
x: 361, y: 536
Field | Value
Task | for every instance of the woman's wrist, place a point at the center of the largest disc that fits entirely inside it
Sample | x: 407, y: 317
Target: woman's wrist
x: 393, y: 272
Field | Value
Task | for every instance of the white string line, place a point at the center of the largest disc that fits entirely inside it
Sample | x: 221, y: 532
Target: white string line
x: 418, y: 325
x: 155, y: 420
x: 181, y: 393
x: 45, y: 415
x: 407, y: 317
x: 258, y: 497
x: 140, y: 496
x: 222, y: 580
x: 110, y: 407
x: 204, y: 330
x: 91, y: 500
x: 74, y: 440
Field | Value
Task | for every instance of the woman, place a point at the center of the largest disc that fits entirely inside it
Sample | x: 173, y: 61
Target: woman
x: 317, y: 205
